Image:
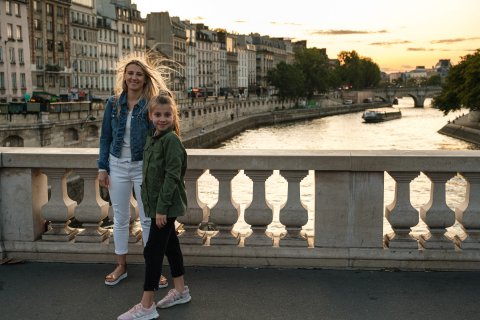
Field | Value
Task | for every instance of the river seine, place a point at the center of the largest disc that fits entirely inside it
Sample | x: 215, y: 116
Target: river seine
x: 416, y: 130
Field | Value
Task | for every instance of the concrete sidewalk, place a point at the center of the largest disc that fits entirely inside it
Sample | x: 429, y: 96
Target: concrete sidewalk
x: 76, y: 291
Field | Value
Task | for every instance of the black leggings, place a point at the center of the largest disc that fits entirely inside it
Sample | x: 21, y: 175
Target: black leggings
x: 162, y: 242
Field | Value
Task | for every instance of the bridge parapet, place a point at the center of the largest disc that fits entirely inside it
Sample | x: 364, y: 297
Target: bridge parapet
x: 321, y: 209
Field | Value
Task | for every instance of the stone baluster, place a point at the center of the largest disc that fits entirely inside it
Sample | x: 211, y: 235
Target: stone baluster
x: 436, y: 214
x: 258, y: 214
x: 401, y: 214
x: 194, y: 215
x: 135, y: 229
x: 60, y: 208
x: 468, y: 212
x: 92, y: 209
x: 224, y: 214
x: 294, y: 214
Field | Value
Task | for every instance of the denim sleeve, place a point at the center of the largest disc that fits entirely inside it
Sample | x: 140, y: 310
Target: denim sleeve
x: 106, y: 136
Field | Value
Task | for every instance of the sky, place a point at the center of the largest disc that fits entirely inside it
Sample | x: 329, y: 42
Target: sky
x: 397, y: 35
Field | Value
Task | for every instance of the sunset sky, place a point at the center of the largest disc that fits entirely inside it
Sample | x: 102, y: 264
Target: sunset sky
x: 397, y: 35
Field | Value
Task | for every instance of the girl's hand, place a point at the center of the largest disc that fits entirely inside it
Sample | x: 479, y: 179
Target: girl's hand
x: 160, y: 220
x: 103, y: 179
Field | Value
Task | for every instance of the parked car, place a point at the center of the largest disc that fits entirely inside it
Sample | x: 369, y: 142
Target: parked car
x: 347, y: 101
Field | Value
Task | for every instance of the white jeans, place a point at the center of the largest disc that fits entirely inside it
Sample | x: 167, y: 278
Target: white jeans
x: 123, y: 175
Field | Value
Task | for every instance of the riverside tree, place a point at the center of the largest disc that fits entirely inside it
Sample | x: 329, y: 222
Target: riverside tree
x: 462, y: 86
x: 357, y: 72
x: 288, y: 80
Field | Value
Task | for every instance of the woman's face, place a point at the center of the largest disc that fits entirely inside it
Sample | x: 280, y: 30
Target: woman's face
x: 134, y: 77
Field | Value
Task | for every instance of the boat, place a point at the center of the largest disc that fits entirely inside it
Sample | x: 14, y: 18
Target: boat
x: 381, y: 114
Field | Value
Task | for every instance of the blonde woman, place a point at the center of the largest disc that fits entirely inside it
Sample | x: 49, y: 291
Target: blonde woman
x: 124, y: 130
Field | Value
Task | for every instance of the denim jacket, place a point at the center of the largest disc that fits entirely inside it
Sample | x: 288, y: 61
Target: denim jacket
x: 113, y: 129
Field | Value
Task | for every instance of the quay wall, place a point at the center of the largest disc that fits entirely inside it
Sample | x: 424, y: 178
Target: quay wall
x: 465, y: 127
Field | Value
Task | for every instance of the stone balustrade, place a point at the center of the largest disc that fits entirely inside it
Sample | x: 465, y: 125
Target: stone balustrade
x: 331, y: 213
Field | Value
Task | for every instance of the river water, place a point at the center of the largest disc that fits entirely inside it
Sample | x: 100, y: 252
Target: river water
x: 416, y: 130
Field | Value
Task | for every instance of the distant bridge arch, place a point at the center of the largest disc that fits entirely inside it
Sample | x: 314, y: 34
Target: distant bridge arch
x: 419, y: 94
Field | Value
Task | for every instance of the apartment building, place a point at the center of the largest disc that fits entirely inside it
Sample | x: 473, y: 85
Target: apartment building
x: 15, y: 69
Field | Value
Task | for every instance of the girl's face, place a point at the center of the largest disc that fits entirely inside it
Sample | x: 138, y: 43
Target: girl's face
x: 134, y: 77
x: 162, y: 116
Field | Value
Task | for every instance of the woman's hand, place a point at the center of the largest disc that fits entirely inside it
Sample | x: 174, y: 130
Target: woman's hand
x: 103, y: 179
x: 160, y: 220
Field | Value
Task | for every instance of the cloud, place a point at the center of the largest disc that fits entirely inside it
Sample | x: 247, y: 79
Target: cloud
x: 419, y: 49
x: 342, y: 32
x: 389, y: 43
x: 454, y: 40
x: 285, y: 23
x: 427, y: 49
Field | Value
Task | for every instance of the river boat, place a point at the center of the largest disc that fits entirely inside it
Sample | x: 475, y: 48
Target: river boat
x: 381, y: 114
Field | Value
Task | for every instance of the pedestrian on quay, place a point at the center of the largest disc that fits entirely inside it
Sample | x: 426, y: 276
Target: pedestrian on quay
x: 164, y: 198
x: 123, y: 134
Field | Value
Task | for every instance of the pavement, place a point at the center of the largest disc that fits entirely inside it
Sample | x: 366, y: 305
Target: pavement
x: 34, y: 290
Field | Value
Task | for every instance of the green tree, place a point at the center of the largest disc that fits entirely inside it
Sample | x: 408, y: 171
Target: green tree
x: 434, y: 80
x: 314, y: 65
x: 288, y: 80
x: 357, y: 72
x: 462, y: 86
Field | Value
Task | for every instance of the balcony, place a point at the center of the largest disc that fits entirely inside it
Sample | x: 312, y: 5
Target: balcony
x: 331, y: 214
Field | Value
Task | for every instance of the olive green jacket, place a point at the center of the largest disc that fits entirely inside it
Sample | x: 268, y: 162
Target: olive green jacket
x: 164, y: 166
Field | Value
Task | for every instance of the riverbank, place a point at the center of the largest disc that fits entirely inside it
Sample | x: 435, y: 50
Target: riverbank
x: 214, y: 135
x: 465, y: 127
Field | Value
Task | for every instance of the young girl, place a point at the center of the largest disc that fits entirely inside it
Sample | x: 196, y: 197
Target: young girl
x: 164, y: 199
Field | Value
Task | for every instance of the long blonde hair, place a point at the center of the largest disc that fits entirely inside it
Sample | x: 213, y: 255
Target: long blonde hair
x: 166, y: 97
x: 154, y: 70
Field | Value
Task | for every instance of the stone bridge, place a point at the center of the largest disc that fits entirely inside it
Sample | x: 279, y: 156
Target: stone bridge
x: 419, y: 94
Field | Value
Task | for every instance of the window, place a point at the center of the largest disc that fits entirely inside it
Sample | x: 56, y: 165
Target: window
x: 23, y: 81
x: 14, y: 80
x: 12, y: 54
x: 19, y: 33
x: 37, y: 24
x: 17, y: 9
x: 2, y: 80
x: 39, y: 63
x: 8, y: 7
x: 38, y: 43
x: 49, y: 9
x: 9, y: 31
x: 21, y: 60
x: 1, y: 54
x: 40, y: 81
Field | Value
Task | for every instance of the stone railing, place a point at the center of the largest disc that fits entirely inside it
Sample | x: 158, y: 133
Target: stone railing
x: 319, y: 209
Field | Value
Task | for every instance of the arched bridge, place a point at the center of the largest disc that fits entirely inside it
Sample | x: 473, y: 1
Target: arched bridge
x: 419, y: 94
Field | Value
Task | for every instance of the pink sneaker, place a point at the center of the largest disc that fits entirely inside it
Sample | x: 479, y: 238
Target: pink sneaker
x: 138, y: 312
x: 174, y: 297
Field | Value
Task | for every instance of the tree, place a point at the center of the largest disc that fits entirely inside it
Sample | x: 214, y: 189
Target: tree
x: 314, y: 64
x: 434, y: 80
x: 288, y: 80
x: 462, y: 86
x: 357, y: 72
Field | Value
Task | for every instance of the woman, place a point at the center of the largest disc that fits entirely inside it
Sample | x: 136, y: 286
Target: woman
x: 124, y: 130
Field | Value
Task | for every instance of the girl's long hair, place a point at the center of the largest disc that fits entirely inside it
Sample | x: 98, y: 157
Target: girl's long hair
x: 154, y: 69
x: 166, y: 97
